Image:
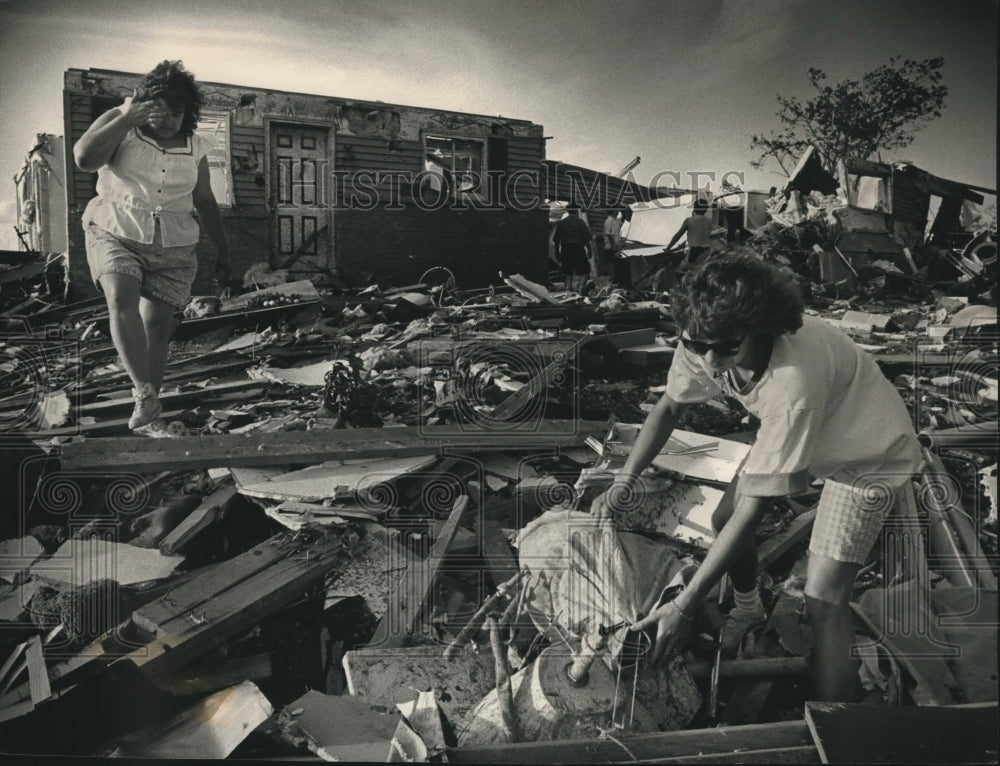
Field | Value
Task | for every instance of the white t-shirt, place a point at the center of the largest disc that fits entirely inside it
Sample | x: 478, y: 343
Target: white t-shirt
x: 144, y: 182
x: 826, y: 411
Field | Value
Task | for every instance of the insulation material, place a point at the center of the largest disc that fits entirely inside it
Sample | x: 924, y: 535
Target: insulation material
x: 583, y: 574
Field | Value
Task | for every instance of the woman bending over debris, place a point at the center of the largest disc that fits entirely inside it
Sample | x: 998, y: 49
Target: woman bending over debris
x: 826, y: 411
x: 141, y: 230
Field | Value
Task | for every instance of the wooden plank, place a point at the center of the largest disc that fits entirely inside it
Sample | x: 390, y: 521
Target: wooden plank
x: 290, y: 447
x: 210, y: 729
x: 415, y: 585
x: 802, y: 754
x: 344, y: 728
x: 196, y: 592
x: 38, y: 676
x: 629, y: 748
x: 847, y: 733
x: 229, y: 613
x: 777, y: 544
x: 496, y: 552
x: 200, y: 518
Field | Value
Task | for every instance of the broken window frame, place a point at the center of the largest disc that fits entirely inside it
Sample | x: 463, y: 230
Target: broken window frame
x: 853, y: 172
x: 452, y: 173
x: 215, y: 126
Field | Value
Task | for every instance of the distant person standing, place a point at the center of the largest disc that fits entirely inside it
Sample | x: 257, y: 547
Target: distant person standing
x: 612, y: 235
x: 698, y: 228
x: 573, y: 248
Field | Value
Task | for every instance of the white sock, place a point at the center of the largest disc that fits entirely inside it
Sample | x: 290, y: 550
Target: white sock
x: 747, y: 602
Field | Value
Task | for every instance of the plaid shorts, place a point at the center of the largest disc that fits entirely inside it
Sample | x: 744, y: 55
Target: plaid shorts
x: 166, y: 273
x: 848, y: 520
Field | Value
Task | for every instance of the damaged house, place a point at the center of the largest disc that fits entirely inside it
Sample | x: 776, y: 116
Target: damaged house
x: 362, y: 191
x: 897, y: 213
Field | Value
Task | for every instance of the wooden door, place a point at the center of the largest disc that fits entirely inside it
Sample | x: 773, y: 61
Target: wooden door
x: 300, y: 226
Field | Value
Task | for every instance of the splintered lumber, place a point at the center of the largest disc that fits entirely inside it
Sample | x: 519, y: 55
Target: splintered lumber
x: 208, y: 610
x: 415, y: 586
x: 309, y: 447
x: 685, y: 745
x: 535, y: 387
x: 212, y: 728
x: 200, y: 518
x: 846, y: 733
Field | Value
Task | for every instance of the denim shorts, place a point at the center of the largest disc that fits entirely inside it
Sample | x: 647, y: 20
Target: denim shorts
x: 165, y: 273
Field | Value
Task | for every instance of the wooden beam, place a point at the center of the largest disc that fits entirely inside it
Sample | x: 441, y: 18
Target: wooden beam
x: 200, y: 518
x: 317, y: 446
x: 682, y: 744
x: 407, y: 601
x: 496, y: 551
x: 846, y: 733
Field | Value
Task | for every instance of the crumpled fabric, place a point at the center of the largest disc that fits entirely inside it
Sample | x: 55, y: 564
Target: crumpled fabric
x: 582, y: 573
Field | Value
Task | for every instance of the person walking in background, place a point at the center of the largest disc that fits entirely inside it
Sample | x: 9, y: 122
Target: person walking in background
x: 573, y: 248
x: 698, y: 230
x: 141, y: 230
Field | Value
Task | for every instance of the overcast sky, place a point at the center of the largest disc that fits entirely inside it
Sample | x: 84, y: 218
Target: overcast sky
x: 683, y: 85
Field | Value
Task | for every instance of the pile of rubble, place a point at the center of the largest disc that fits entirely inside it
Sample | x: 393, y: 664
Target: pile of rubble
x: 368, y: 538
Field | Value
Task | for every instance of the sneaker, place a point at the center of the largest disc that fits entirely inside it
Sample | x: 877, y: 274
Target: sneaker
x: 147, y: 406
x: 738, y: 623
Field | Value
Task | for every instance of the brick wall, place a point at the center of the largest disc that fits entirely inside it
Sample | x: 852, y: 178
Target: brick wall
x: 398, y: 246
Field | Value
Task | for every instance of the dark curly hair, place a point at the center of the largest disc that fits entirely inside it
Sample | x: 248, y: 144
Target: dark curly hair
x: 734, y: 294
x: 176, y: 86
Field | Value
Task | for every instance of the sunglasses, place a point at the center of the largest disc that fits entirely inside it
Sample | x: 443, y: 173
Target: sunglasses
x: 700, y: 347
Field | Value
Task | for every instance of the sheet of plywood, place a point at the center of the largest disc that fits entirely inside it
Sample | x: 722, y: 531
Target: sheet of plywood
x: 212, y: 728
x: 717, y: 464
x: 373, y: 570
x: 680, y: 509
x: 336, y: 478
x: 80, y: 562
x: 344, y: 728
